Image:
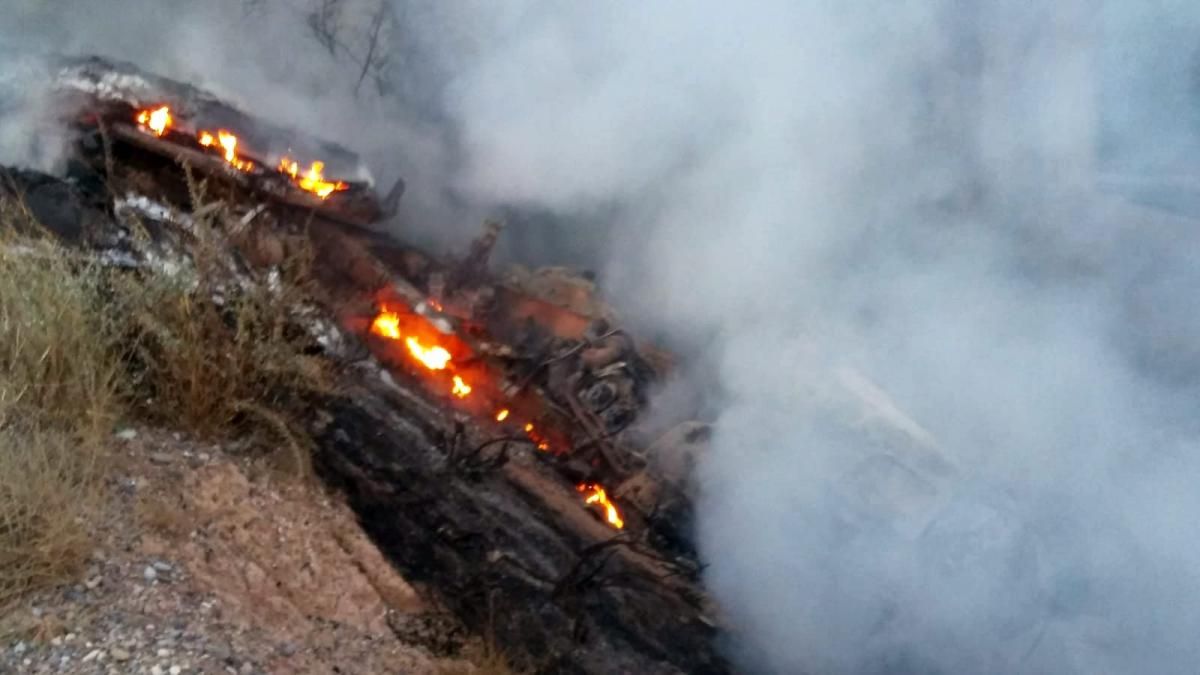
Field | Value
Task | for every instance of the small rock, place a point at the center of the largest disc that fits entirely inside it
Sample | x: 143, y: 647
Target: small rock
x: 175, y: 670
x: 57, y: 641
x: 69, y: 637
x: 288, y: 648
x: 203, y: 456
x: 156, y: 670
x: 164, y: 653
x: 20, y: 648
x: 119, y: 654
x: 150, y: 573
x: 161, y: 457
x: 92, y: 656
x: 246, y: 669
x: 162, y: 566
x: 126, y: 434
x: 92, y: 583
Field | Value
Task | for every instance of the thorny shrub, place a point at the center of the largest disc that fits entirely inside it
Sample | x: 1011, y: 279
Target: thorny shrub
x: 215, y: 347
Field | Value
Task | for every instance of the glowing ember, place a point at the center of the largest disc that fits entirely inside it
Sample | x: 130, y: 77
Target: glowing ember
x: 502, y: 415
x: 597, y: 495
x: 387, y: 324
x: 228, y: 143
x: 433, y: 358
x: 312, y: 180
x: 157, y: 120
x: 536, y: 437
x: 461, y: 389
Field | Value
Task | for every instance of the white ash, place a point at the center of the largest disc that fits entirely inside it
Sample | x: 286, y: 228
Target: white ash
x: 109, y: 85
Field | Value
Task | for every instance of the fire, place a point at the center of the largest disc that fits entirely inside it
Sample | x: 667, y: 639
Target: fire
x: 157, y: 120
x: 228, y: 143
x: 536, y: 437
x: 312, y: 180
x: 433, y: 358
x: 502, y: 415
x: 597, y: 495
x: 387, y: 324
x: 461, y: 389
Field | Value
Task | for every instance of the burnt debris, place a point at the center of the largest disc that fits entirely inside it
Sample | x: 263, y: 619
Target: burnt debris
x: 486, y: 429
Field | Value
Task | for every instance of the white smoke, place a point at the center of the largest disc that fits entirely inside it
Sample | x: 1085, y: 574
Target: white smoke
x: 956, y: 435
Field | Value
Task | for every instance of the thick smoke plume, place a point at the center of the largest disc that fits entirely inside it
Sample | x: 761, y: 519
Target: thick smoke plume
x: 935, y: 260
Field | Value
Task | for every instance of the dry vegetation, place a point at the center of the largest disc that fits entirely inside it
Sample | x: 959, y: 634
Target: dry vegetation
x: 60, y: 376
x: 82, y: 346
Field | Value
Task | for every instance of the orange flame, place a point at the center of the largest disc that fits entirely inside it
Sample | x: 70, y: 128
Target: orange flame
x: 502, y: 415
x: 228, y: 143
x: 597, y: 495
x: 312, y: 180
x: 536, y: 437
x: 461, y: 389
x: 387, y: 324
x: 433, y: 358
x: 157, y: 120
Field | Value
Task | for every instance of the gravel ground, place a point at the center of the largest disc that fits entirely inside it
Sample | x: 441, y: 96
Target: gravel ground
x: 211, y: 564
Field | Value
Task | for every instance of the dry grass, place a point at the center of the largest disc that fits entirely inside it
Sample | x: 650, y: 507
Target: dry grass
x: 60, y: 363
x: 60, y: 374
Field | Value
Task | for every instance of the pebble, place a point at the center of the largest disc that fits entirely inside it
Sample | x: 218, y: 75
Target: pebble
x: 150, y: 573
x: 161, y: 457
x: 156, y: 670
x: 163, y: 653
x: 126, y: 434
x: 162, y: 566
x: 20, y: 648
x: 92, y: 583
x: 175, y: 670
x: 92, y: 656
x: 119, y: 654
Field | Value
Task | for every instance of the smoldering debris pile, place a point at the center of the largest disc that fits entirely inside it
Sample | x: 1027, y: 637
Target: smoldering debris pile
x: 486, y: 426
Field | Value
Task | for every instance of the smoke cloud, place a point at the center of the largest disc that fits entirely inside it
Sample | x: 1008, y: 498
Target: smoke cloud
x: 936, y: 260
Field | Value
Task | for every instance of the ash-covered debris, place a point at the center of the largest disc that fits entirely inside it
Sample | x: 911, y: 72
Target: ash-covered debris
x: 482, y: 429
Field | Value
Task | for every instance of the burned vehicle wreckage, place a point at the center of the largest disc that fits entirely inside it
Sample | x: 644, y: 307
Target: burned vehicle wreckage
x: 481, y: 424
x: 486, y: 429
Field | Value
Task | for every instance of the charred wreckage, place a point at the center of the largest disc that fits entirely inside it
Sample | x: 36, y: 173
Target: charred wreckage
x: 489, y: 442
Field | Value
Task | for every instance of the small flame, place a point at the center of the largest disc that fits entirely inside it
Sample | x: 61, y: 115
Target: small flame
x: 537, y: 438
x: 434, y: 358
x: 597, y: 495
x: 228, y: 143
x: 502, y: 415
x: 157, y: 120
x: 312, y: 180
x: 387, y: 324
x: 461, y: 389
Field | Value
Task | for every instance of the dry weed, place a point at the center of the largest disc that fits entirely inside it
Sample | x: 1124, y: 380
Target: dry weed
x: 49, y: 491
x: 216, y: 349
x: 60, y: 371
